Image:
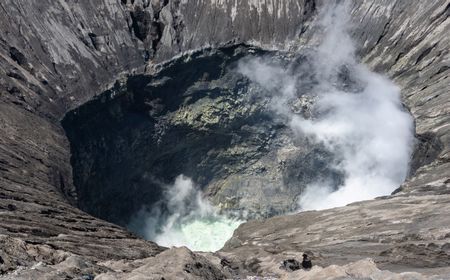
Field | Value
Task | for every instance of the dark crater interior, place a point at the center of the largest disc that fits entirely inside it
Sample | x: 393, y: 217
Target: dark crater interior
x: 198, y: 117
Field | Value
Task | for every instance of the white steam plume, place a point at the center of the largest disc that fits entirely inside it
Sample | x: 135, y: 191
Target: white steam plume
x: 365, y: 127
x: 184, y: 218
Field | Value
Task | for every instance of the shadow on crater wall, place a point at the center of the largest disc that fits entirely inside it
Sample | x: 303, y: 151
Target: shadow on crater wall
x: 196, y: 116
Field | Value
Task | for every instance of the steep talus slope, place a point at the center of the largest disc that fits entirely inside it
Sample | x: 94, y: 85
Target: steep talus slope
x: 56, y: 55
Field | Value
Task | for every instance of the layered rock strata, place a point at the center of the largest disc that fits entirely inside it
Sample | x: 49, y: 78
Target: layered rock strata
x: 55, y: 56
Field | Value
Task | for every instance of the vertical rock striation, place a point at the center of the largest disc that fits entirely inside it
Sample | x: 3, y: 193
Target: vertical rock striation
x: 57, y: 55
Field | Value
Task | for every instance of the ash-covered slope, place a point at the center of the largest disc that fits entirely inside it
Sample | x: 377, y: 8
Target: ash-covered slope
x: 56, y: 55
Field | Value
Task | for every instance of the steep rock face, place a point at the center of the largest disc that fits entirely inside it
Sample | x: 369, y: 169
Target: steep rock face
x: 55, y: 55
x: 416, y: 57
x: 51, y: 60
x: 196, y: 116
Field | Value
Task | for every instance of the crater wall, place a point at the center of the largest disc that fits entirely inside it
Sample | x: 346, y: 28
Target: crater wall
x: 56, y: 55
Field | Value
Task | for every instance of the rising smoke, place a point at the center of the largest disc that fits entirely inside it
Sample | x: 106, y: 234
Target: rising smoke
x: 184, y: 218
x: 358, y: 115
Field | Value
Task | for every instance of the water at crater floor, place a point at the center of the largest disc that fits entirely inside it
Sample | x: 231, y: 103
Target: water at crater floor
x: 204, y: 234
x: 359, y: 119
x: 184, y: 218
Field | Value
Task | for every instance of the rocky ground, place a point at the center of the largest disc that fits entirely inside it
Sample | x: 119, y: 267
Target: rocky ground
x: 180, y: 263
x: 56, y: 56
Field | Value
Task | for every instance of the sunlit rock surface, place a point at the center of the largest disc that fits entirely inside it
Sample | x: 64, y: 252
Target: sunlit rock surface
x: 56, y: 55
x: 180, y: 263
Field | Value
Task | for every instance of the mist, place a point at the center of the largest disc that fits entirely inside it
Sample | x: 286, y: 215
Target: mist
x: 183, y: 217
x: 357, y: 114
x: 353, y: 113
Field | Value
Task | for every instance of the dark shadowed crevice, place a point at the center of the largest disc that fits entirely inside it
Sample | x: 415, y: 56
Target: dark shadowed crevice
x: 427, y: 149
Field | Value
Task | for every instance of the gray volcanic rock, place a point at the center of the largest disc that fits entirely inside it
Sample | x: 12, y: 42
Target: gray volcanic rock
x: 175, y: 263
x: 364, y: 269
x: 410, y: 228
x: 399, y: 231
x: 57, y: 55
x: 195, y: 116
x: 180, y: 263
x: 47, y: 65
